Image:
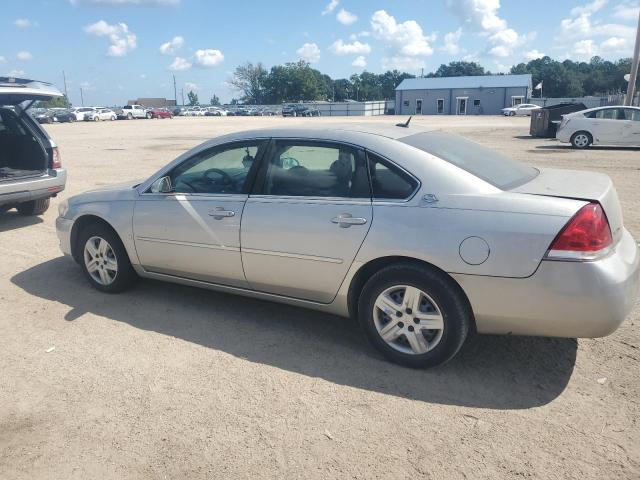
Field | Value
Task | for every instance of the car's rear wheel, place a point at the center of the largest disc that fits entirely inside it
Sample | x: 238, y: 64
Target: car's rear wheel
x: 34, y: 207
x: 104, y: 259
x: 581, y: 139
x: 129, y: 116
x: 413, y: 315
x: 96, y: 118
x: 512, y: 114
x: 149, y: 116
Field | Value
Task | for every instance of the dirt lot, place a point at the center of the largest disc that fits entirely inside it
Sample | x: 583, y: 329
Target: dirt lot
x: 174, y: 382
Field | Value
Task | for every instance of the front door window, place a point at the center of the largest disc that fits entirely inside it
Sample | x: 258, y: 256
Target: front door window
x: 462, y: 106
x: 440, y: 105
x: 418, y: 107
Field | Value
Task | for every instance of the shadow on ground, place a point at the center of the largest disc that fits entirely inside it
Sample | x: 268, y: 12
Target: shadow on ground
x: 12, y: 220
x: 564, y: 146
x: 497, y: 372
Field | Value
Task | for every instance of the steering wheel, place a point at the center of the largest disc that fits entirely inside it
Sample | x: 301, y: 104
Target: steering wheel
x: 226, y: 178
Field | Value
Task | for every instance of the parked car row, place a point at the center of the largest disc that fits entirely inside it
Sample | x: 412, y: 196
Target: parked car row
x: 299, y: 110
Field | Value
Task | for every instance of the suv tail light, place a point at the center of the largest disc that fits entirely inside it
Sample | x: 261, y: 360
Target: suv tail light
x: 587, y: 236
x: 56, y: 160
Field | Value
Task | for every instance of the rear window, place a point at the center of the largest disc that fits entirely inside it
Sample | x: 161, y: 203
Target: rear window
x: 492, y: 167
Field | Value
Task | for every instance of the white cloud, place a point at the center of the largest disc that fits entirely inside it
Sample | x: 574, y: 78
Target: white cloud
x: 451, y: 41
x: 121, y: 39
x: 151, y: 3
x: 359, y: 62
x: 143, y: 75
x: 24, y: 23
x: 208, y: 58
x: 172, y: 46
x: 15, y: 73
x: 533, y: 54
x: 24, y: 56
x: 591, y: 36
x: 346, y: 18
x: 2, y: 59
x: 191, y: 86
x: 626, y: 11
x: 356, y: 48
x: 180, y: 64
x: 589, y: 8
x: 404, y: 39
x: 331, y: 6
x: 309, y: 52
x: 482, y: 16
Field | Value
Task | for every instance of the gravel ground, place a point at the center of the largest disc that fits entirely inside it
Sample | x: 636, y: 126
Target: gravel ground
x: 167, y: 381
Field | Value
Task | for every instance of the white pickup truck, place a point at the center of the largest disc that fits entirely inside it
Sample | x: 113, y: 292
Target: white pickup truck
x: 129, y: 112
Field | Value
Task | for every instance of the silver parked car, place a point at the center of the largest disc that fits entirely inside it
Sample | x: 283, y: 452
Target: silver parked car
x: 423, y: 236
x: 30, y: 166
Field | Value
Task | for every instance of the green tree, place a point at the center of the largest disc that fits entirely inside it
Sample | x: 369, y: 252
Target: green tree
x: 214, y: 100
x: 459, y: 69
x: 55, y: 102
x: 249, y: 79
x: 193, y: 98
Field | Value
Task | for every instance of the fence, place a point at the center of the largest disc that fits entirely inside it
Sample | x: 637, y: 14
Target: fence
x: 589, y: 102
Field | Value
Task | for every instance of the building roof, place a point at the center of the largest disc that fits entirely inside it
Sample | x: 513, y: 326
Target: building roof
x: 486, y: 81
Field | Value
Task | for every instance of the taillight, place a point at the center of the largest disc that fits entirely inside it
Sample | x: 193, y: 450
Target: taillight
x: 587, y: 236
x: 57, y: 161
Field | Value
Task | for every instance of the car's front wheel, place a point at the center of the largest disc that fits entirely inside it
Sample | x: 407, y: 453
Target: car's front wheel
x: 34, y: 207
x: 104, y: 259
x: 415, y: 316
x: 581, y: 139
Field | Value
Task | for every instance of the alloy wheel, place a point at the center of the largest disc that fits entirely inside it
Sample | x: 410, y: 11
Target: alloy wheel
x: 581, y: 140
x: 100, y: 261
x: 408, y: 319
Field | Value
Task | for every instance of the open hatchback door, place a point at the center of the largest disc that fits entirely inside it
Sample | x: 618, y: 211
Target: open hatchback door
x: 30, y: 167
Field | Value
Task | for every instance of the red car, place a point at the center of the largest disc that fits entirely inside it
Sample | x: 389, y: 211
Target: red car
x: 160, y: 113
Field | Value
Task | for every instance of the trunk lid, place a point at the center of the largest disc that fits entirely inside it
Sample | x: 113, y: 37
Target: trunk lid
x: 14, y: 91
x: 579, y: 185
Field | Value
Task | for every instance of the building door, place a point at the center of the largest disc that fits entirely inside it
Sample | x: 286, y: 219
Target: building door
x: 440, y: 105
x: 462, y: 105
x: 419, y: 107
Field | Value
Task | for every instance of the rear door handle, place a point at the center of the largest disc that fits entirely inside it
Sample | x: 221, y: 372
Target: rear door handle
x: 219, y: 213
x: 345, y: 220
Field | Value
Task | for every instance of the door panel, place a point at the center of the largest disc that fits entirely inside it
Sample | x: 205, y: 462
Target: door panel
x: 191, y: 236
x: 298, y: 247
x: 308, y: 217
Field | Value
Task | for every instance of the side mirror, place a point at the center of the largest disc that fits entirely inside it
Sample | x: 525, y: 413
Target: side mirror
x: 162, y: 185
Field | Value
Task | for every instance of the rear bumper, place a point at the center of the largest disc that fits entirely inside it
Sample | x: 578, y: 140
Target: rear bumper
x: 562, y: 299
x: 33, y: 188
x: 563, y: 135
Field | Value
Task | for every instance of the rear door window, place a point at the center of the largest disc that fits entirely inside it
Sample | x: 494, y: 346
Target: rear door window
x: 388, y: 182
x: 315, y: 169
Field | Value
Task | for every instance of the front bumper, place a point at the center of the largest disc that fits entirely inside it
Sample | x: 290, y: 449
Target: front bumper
x: 561, y: 299
x: 63, y: 230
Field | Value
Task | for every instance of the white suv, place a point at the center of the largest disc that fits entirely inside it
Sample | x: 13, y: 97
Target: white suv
x: 30, y: 168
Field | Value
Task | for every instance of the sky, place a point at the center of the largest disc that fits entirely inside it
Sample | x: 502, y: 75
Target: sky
x: 116, y: 50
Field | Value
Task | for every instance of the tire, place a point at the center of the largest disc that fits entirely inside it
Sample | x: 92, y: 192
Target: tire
x: 581, y: 139
x: 113, y: 118
x: 34, y: 207
x: 512, y: 114
x: 96, y: 118
x: 438, y: 294
x: 149, y: 116
x: 129, y: 116
x: 119, y: 279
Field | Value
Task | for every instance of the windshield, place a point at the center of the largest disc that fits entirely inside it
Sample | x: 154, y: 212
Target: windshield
x: 490, y: 166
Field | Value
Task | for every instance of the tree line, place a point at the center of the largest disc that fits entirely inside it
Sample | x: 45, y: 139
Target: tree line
x: 298, y: 81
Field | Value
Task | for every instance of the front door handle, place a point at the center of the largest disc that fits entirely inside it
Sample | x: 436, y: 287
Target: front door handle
x: 345, y: 220
x: 219, y: 213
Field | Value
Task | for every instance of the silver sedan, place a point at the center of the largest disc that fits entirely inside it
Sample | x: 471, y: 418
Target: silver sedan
x: 422, y: 236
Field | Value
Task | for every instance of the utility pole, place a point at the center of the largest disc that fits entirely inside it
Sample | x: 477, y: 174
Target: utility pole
x: 175, y: 92
x: 64, y: 77
x: 422, y: 72
x: 182, y: 93
x: 628, y: 100
x: 81, y: 97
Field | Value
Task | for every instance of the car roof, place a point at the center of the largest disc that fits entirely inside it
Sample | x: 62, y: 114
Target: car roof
x: 17, y: 90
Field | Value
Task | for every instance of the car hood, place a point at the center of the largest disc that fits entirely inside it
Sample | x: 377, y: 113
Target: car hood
x: 108, y: 193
